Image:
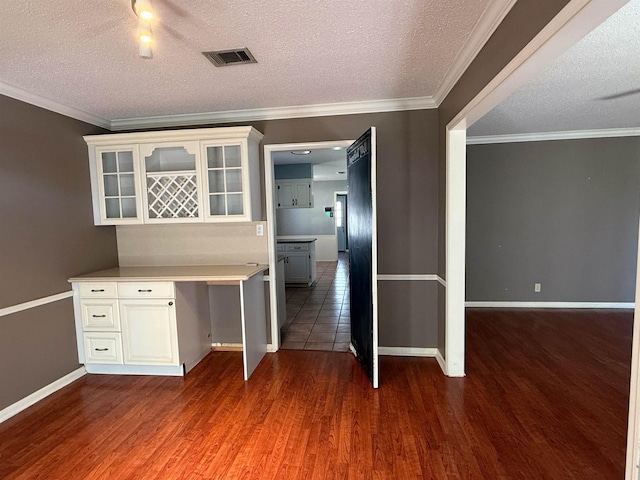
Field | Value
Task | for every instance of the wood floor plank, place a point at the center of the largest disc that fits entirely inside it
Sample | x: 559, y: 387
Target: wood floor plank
x: 545, y: 397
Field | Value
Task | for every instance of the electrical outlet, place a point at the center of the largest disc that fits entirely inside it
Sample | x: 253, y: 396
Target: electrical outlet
x: 536, y: 287
x: 259, y: 230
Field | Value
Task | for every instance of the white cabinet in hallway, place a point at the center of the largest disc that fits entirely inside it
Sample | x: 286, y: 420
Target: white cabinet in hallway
x: 299, y: 260
x: 294, y: 193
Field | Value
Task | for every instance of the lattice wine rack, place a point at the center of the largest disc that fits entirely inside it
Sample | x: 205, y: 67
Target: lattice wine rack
x: 172, y: 195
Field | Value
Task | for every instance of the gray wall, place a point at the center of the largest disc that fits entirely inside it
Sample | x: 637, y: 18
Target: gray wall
x: 560, y: 213
x: 311, y: 221
x: 407, y: 207
x: 47, y: 235
x: 295, y: 170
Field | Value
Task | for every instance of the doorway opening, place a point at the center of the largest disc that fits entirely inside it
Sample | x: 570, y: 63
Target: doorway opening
x: 359, y: 159
x: 299, y: 223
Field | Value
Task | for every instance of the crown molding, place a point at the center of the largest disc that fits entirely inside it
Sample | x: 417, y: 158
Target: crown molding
x: 277, y: 113
x: 549, y: 136
x: 47, y: 104
x: 484, y: 28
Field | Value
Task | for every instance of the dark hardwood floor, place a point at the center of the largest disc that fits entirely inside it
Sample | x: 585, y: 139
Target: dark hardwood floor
x: 545, y: 397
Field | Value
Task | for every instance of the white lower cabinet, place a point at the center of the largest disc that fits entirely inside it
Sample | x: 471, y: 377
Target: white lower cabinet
x: 299, y: 261
x: 149, y: 332
x: 103, y: 348
x: 142, y: 327
x: 100, y: 315
x: 297, y: 268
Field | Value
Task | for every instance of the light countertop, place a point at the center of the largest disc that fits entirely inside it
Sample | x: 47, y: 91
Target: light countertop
x: 200, y: 273
x: 296, y: 239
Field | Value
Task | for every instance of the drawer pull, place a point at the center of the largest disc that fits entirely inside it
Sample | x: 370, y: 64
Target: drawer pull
x: 101, y: 349
x: 96, y: 290
x: 98, y: 316
x: 145, y: 291
x: 170, y: 304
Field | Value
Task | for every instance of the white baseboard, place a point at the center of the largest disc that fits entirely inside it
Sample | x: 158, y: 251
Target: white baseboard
x: 407, y: 351
x: 35, y: 397
x: 441, y: 361
x: 613, y: 305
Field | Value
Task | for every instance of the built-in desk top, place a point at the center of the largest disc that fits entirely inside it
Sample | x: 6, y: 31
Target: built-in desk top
x: 200, y: 273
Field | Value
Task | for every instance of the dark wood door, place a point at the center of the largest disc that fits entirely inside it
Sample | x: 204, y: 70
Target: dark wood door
x: 363, y: 252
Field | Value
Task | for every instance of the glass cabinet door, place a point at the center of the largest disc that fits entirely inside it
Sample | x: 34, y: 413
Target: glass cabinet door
x: 224, y: 180
x: 118, y: 183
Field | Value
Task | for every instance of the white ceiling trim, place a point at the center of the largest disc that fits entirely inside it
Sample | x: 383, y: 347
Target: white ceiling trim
x: 484, y: 28
x: 277, y: 113
x: 548, y: 136
x: 47, y: 104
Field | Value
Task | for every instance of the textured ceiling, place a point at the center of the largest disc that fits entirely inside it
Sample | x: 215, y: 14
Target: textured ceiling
x: 84, y: 54
x: 571, y: 94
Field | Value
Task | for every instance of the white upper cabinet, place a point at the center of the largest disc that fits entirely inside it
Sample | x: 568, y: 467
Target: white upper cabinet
x: 117, y: 183
x: 171, y: 182
x: 176, y: 176
x: 294, y: 193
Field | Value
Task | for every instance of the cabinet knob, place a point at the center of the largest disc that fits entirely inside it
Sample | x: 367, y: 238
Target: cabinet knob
x: 170, y: 303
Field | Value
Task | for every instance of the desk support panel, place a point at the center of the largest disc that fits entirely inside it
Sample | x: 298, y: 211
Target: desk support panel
x: 254, y: 329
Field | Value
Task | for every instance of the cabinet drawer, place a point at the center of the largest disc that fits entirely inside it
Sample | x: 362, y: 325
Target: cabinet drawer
x: 146, y: 290
x: 302, y: 247
x: 102, y: 347
x: 97, y: 289
x: 100, y: 315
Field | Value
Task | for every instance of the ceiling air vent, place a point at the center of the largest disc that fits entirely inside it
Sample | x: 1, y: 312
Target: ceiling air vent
x: 222, y: 58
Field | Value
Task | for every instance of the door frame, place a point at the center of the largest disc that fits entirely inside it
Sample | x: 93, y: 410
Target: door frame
x: 269, y: 182
x: 335, y: 202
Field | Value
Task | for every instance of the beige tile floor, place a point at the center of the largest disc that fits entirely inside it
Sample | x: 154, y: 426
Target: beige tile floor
x: 318, y: 316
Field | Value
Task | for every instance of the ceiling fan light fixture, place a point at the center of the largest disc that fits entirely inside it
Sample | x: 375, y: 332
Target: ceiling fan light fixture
x: 145, y: 50
x: 145, y: 37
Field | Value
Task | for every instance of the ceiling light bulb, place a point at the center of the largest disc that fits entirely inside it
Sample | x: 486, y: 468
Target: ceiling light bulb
x: 145, y: 36
x: 144, y: 9
x: 144, y: 31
